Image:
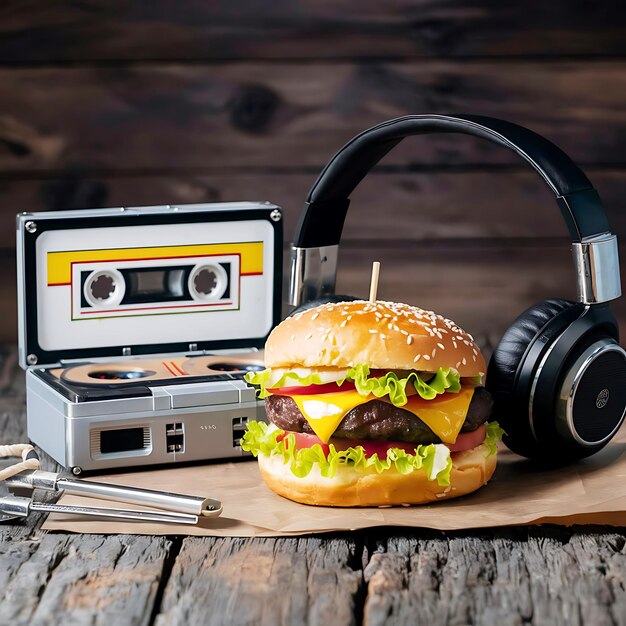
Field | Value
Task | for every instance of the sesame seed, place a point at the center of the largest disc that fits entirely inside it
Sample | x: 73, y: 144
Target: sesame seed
x: 454, y: 343
x: 464, y: 361
x: 474, y: 357
x: 343, y: 323
x: 409, y: 339
x: 457, y: 365
x: 426, y: 357
x: 315, y: 316
x: 293, y: 337
x: 309, y: 336
x: 433, y: 352
x: 373, y: 330
x: 404, y: 332
x: 382, y: 336
x: 441, y: 345
x: 417, y: 358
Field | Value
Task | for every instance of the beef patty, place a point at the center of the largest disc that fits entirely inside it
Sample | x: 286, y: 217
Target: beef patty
x: 377, y: 419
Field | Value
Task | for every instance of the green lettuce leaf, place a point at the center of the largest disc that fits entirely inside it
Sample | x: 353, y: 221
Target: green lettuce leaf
x: 262, y: 379
x: 261, y: 438
x: 446, y: 379
x: 494, y: 434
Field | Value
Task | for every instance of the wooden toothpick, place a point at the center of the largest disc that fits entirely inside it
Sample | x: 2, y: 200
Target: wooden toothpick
x: 374, y: 282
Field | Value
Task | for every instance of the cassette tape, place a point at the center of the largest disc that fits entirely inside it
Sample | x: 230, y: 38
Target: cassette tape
x: 116, y: 288
x: 137, y: 325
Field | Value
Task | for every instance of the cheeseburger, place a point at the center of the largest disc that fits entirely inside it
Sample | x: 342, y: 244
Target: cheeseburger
x: 372, y: 403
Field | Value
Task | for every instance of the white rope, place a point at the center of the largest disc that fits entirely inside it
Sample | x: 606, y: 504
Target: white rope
x: 20, y: 450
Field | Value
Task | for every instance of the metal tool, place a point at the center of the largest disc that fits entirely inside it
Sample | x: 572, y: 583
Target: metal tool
x: 16, y: 506
x: 5, y: 517
x: 180, y: 508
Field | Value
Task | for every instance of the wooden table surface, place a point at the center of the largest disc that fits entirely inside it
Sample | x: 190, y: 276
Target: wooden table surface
x: 528, y: 575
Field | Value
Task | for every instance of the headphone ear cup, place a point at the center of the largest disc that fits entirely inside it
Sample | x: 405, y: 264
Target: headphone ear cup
x: 510, y: 410
x: 311, y: 304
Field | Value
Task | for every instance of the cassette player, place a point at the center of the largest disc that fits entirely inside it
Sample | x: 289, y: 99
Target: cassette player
x: 137, y: 325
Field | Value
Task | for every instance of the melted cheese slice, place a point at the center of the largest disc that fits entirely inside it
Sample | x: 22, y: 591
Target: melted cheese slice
x: 324, y: 412
x: 444, y: 415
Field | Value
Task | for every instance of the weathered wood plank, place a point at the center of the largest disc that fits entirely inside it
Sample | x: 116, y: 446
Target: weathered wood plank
x: 8, y: 311
x: 288, y: 116
x: 305, y: 29
x: 515, y: 576
x: 12, y: 396
x: 83, y: 579
x: 415, y: 206
x: 264, y: 582
x: 518, y: 576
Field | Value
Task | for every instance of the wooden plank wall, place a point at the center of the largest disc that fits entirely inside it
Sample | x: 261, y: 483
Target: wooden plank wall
x: 125, y: 103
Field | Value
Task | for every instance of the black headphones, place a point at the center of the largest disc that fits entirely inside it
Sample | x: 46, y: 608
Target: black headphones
x: 558, y: 376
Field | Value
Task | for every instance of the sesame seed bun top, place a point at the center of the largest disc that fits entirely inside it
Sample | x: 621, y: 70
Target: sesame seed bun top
x: 383, y: 335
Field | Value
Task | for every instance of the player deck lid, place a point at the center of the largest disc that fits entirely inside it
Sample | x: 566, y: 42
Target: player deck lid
x: 102, y: 283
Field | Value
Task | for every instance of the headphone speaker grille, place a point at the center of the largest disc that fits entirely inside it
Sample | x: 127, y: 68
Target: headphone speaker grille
x: 599, y: 400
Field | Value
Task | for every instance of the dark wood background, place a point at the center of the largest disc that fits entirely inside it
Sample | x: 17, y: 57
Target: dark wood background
x: 125, y: 103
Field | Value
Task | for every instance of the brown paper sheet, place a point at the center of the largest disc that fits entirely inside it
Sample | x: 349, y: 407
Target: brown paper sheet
x: 592, y: 491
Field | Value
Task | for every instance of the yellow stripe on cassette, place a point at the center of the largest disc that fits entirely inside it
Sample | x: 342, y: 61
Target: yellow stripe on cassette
x: 60, y: 261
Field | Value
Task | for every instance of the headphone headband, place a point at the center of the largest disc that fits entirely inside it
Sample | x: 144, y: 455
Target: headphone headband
x: 328, y: 198
x: 321, y: 221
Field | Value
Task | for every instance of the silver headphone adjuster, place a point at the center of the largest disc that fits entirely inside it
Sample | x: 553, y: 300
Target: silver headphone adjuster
x: 313, y: 273
x: 597, y: 269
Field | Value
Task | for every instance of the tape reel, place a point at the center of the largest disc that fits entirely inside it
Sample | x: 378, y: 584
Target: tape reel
x: 208, y: 282
x: 121, y: 288
x: 104, y: 288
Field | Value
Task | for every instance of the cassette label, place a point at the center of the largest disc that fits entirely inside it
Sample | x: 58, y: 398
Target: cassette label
x: 177, y: 282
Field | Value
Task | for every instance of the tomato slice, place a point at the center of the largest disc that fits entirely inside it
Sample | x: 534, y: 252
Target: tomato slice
x: 303, y: 440
x: 372, y: 446
x: 465, y: 441
x: 307, y: 390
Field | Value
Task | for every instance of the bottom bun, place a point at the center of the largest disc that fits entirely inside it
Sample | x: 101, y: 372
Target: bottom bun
x: 470, y: 471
